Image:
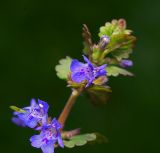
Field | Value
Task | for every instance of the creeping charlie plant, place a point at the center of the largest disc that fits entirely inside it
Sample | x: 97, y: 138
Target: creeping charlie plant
x: 108, y: 57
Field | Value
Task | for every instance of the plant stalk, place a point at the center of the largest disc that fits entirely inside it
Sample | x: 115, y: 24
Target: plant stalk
x: 65, y: 113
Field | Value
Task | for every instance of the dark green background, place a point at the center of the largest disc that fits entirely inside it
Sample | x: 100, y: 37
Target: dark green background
x: 35, y: 34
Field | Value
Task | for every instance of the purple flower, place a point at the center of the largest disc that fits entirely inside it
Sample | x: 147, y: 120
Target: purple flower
x: 86, y: 71
x: 33, y: 114
x: 104, y: 40
x: 126, y: 63
x: 50, y: 134
x: 18, y: 121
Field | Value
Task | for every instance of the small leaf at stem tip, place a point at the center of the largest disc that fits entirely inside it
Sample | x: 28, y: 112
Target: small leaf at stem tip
x: 63, y: 68
x: 115, y: 71
x: 113, y: 28
x: 16, y: 109
x: 121, y: 41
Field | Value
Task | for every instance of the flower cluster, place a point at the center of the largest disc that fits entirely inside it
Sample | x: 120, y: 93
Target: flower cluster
x: 35, y: 116
x: 86, y: 71
x: 108, y: 57
x: 49, y: 135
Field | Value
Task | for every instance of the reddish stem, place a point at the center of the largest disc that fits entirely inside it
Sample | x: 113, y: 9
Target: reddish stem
x: 64, y: 115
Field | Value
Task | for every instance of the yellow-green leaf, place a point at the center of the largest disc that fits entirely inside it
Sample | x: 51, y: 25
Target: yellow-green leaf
x: 63, y: 68
x: 79, y: 140
x: 113, y: 28
x: 16, y: 109
x: 115, y: 71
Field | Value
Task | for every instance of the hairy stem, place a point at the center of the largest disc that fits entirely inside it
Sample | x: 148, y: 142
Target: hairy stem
x: 64, y: 115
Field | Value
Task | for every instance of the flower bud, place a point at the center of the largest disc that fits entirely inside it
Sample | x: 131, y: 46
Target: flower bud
x: 126, y: 63
x: 104, y: 40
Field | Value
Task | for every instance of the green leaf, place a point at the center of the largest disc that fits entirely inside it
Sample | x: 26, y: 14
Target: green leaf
x: 79, y: 140
x: 114, y: 28
x: 63, y: 68
x: 121, y: 41
x: 115, y: 71
x: 121, y: 46
x: 96, y: 54
x: 99, y: 94
x: 120, y: 54
x: 17, y: 109
x: 69, y: 144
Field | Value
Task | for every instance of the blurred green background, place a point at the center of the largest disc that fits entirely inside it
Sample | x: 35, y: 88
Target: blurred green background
x: 35, y: 34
